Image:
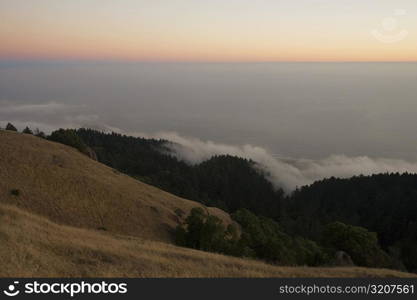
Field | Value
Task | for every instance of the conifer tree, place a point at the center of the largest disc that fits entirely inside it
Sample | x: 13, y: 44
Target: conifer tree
x: 10, y: 127
x: 27, y: 130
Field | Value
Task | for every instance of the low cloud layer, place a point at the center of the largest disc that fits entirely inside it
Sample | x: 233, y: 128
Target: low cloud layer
x: 285, y: 173
x: 46, y: 116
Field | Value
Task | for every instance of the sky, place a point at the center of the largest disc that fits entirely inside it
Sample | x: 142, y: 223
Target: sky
x: 216, y: 30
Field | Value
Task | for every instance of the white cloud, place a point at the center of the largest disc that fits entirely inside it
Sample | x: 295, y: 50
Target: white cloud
x: 285, y: 173
x: 49, y: 107
x: 47, y: 116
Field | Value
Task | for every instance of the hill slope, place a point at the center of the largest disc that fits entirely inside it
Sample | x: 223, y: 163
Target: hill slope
x: 32, y: 246
x: 60, y: 183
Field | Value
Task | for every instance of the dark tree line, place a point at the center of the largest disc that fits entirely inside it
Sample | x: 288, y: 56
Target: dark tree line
x: 384, y: 203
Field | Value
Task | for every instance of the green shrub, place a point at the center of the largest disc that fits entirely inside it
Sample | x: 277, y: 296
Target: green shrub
x: 39, y: 133
x: 268, y: 241
x: 27, y: 130
x: 358, y: 242
x: 206, y: 232
x: 308, y: 252
x: 15, y: 192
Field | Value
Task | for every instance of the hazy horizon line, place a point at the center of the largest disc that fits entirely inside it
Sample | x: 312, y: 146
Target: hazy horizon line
x: 82, y: 60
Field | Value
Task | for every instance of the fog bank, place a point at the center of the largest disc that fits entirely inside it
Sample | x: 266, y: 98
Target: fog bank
x: 285, y: 172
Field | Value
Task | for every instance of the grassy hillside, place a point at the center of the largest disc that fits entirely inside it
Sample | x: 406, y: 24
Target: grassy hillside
x: 34, y: 246
x: 64, y: 214
x: 60, y: 183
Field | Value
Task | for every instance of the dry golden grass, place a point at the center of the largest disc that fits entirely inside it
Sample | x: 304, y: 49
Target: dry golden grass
x: 50, y: 228
x: 32, y: 246
x: 67, y: 187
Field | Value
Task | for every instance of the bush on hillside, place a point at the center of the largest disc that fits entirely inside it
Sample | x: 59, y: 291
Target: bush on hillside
x: 206, y: 232
x: 27, y: 130
x: 358, y: 242
x: 39, y: 133
x: 15, y: 192
x: 269, y: 242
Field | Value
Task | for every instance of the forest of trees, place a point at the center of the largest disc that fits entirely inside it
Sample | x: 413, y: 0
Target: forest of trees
x: 371, y: 218
x: 383, y: 203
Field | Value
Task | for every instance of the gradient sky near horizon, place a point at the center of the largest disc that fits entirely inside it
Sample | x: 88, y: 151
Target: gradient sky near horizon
x: 200, y: 30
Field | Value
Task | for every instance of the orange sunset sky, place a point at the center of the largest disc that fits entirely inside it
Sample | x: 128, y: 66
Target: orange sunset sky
x: 231, y: 30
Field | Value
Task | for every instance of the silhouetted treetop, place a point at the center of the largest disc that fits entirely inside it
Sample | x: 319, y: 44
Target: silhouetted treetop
x: 10, y: 127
